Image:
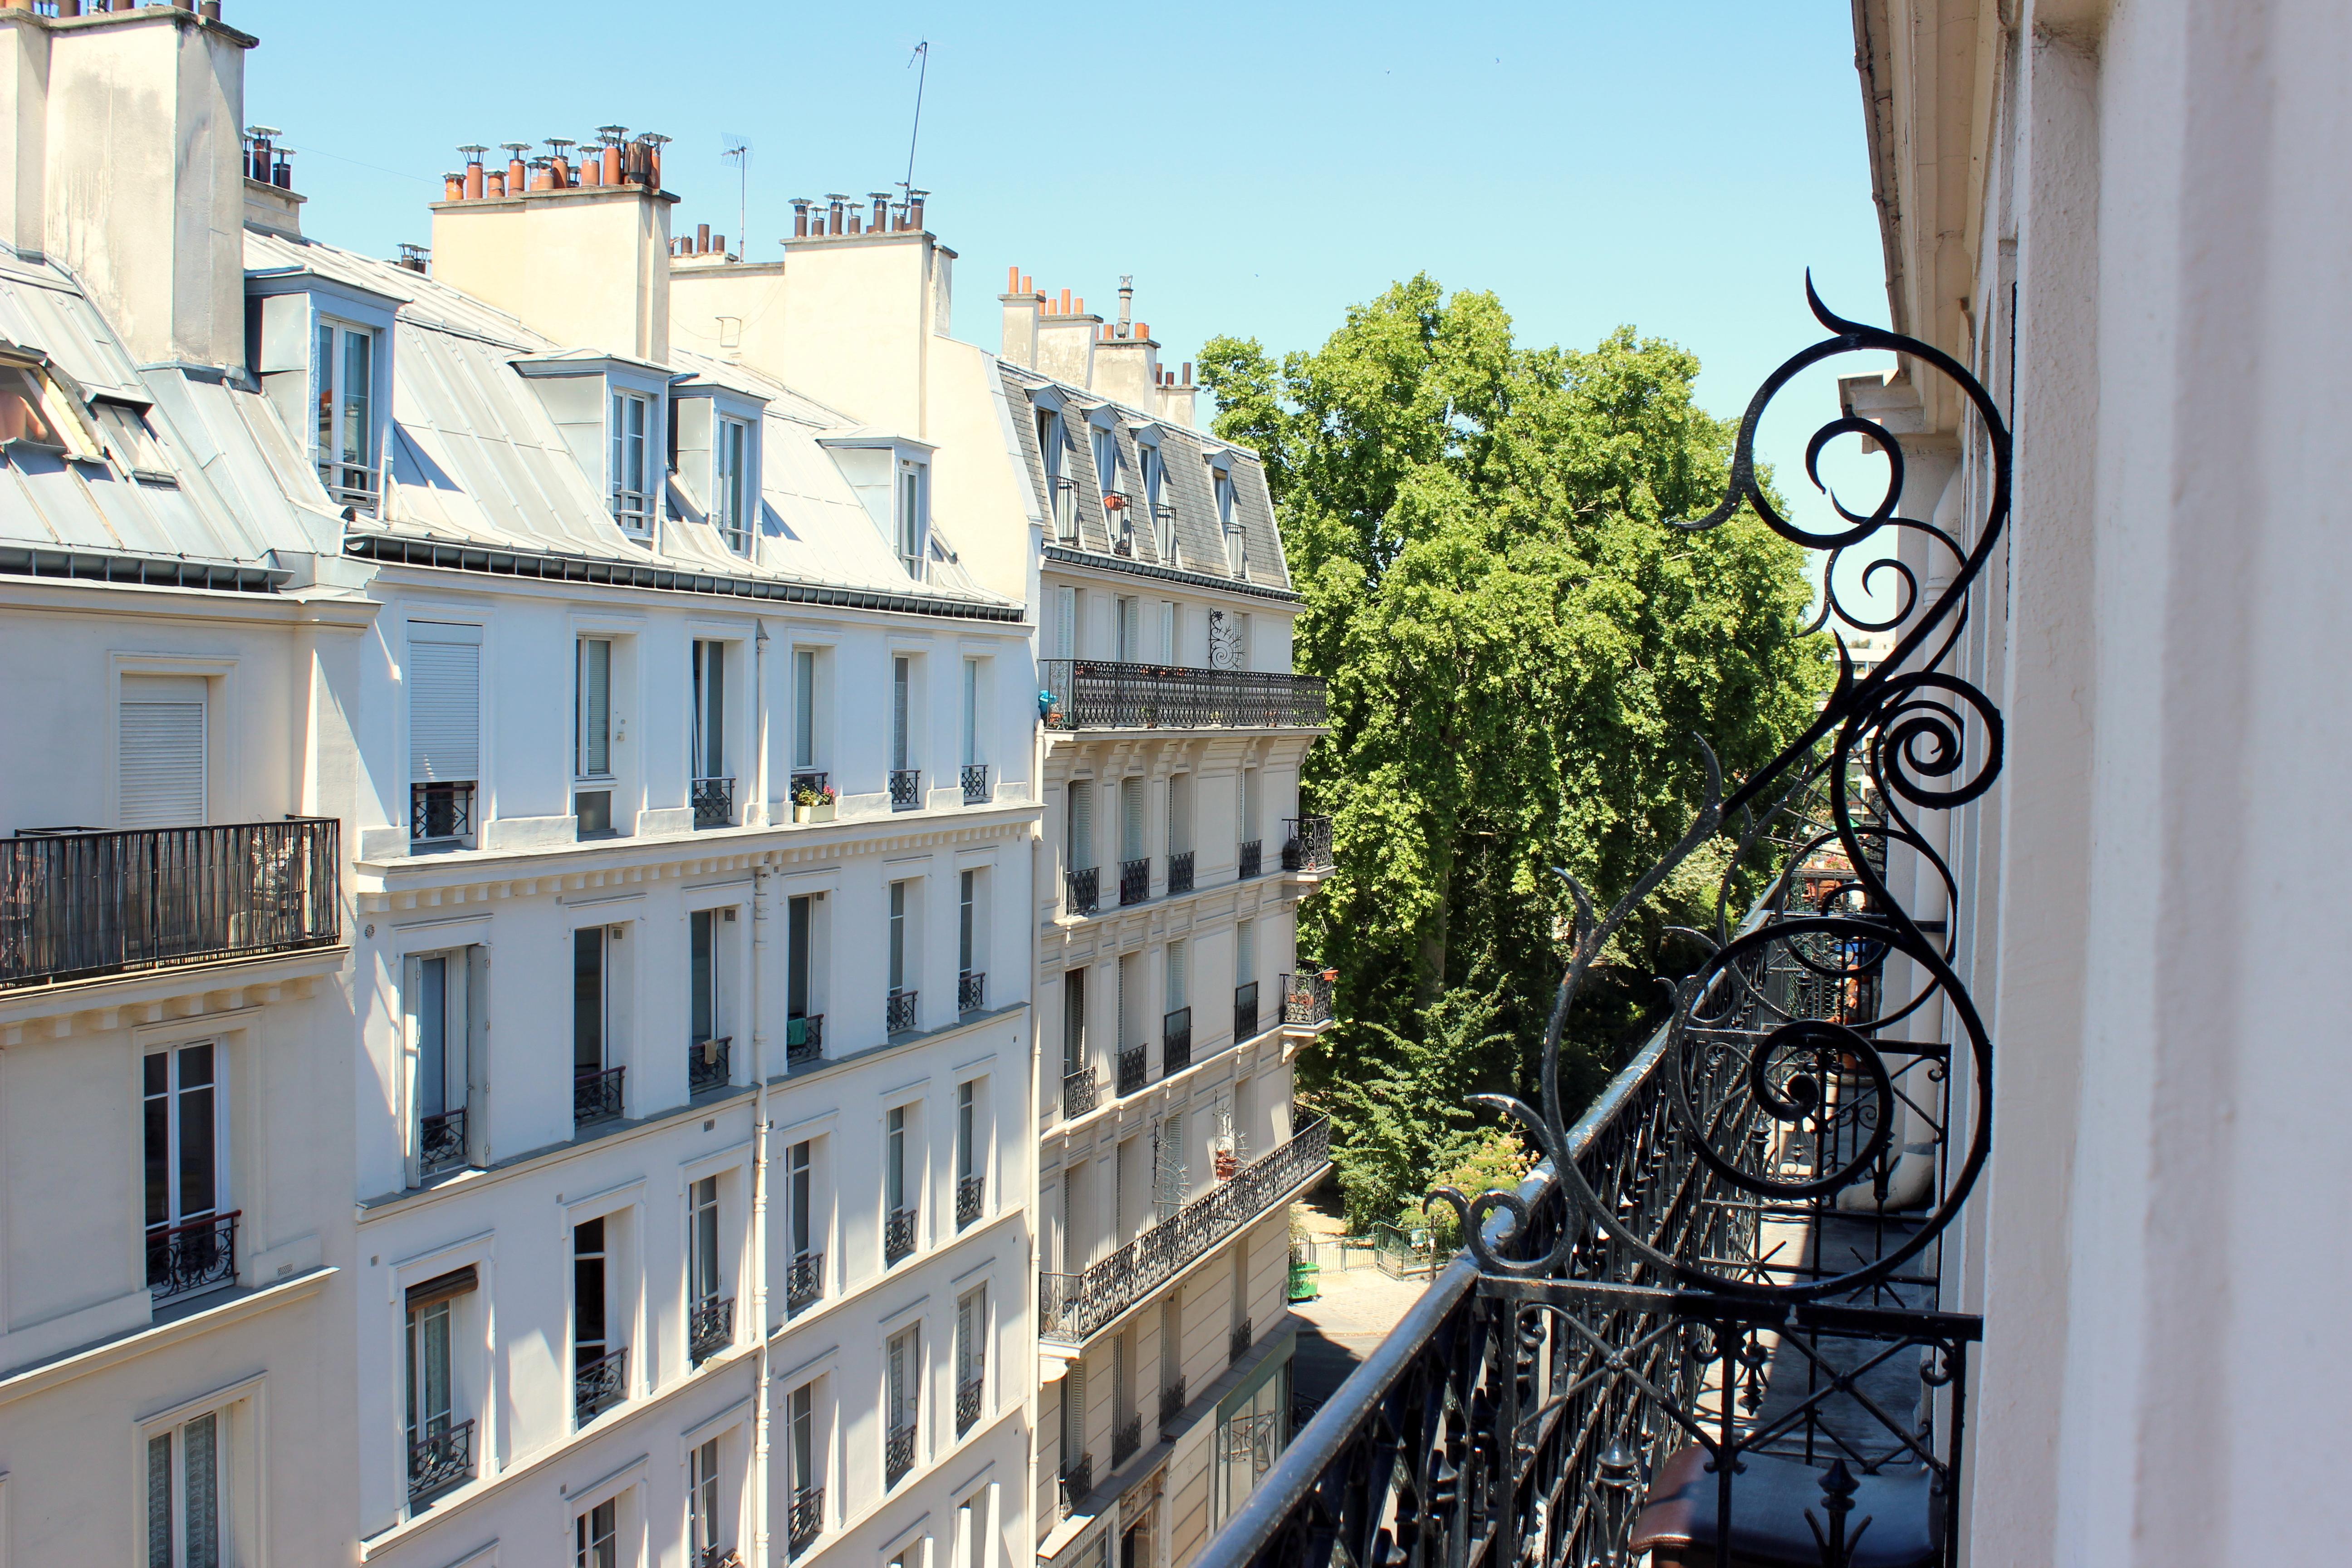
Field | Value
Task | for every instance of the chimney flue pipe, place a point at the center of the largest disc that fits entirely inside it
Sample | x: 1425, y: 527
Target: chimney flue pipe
x: 833, y: 212
x: 881, y: 220
x: 702, y: 239
x: 915, y: 210
x: 1066, y: 304
x: 1126, y: 301
x: 800, y: 217
x: 518, y: 176
x: 611, y: 154
x: 474, y: 171
x: 453, y: 187
x: 1013, y: 280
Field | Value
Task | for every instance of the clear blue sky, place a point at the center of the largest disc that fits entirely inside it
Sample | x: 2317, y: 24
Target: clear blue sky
x: 1257, y: 167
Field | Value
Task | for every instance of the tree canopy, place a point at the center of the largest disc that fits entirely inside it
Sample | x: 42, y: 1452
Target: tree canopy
x: 1522, y: 657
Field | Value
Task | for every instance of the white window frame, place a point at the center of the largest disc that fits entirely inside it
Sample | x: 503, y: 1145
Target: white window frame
x: 733, y: 501
x: 234, y: 1414
x: 911, y: 506
x: 632, y: 428
x: 352, y: 480
x: 178, y: 1209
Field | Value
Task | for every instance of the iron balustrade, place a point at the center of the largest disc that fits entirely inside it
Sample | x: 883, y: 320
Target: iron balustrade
x: 1102, y: 694
x: 714, y: 802
x: 898, y: 1012
x: 804, y: 1282
x: 897, y: 1454
x: 1163, y: 528
x: 970, y: 1193
x: 1307, y: 844
x: 975, y: 783
x: 442, y: 1459
x: 709, y: 1327
x: 351, y: 486
x: 1065, y: 508
x: 906, y: 788
x: 1134, y: 1069
x: 1176, y: 1041
x: 803, y: 1040
x: 1126, y: 1440
x: 1081, y: 1092
x: 1237, y: 1342
x: 708, y: 1065
x: 1073, y: 1308
x: 1082, y: 893
x: 599, y: 1385
x: 596, y: 1096
x: 1305, y: 1000
x: 814, y: 781
x: 200, y: 1255
x: 440, y: 1141
x: 75, y: 904
x: 897, y: 1234
x: 1134, y: 882
x: 1179, y: 873
x: 1117, y: 518
x: 1172, y: 1402
x: 1077, y: 1479
x: 440, y: 813
x: 807, y: 1519
x: 967, y: 1405
x: 971, y: 990
x: 1249, y: 859
x: 1246, y: 1010
x: 719, y: 1557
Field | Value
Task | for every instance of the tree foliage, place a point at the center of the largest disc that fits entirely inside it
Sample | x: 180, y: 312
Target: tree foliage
x: 1522, y: 657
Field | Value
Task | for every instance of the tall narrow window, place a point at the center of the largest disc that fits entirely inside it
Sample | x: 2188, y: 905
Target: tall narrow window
x: 1066, y: 623
x: 893, y: 1160
x: 701, y: 977
x: 1061, y: 490
x: 897, y: 937
x: 159, y: 764
x: 343, y: 369
x: 184, y: 1494
x: 804, y: 707
x: 632, y: 475
x: 971, y: 712
x: 1130, y: 817
x: 800, y: 914
x: 430, y: 1402
x: 1244, y: 952
x: 1082, y: 824
x: 702, y: 1503
x: 1168, y: 631
x: 1074, y: 1023
x: 1176, y: 977
x: 901, y: 682
x: 1129, y: 629
x: 444, y: 679
x: 596, y: 1536
x: 708, y: 720
x: 1073, y: 1417
x: 1251, y: 806
x: 588, y: 1000
x: 970, y: 1356
x: 734, y: 488
x: 1164, y: 517
x: 964, y: 920
x: 903, y: 1393
x: 914, y: 519
x: 191, y: 1243
x: 702, y: 1248
x: 434, y: 999
x: 592, y: 746
x: 589, y: 1317
x: 966, y: 1129
x: 1180, y: 815
x: 1107, y: 459
x: 806, y: 1487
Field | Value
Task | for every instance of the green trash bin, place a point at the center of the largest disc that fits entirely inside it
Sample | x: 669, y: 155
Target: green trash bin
x: 1303, y: 1279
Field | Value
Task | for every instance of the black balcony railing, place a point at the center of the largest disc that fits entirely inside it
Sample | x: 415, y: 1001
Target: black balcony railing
x: 1099, y: 694
x: 897, y: 1454
x: 807, y: 1522
x: 440, y: 813
x: 1307, y: 844
x: 1125, y: 1439
x: 1246, y: 1010
x: 440, y: 1141
x: 804, y: 1282
x: 1065, y: 507
x: 906, y: 788
x: 596, y: 1096
x: 1179, y: 873
x: 714, y: 802
x: 709, y: 1327
x: 1073, y: 1308
x: 1081, y: 1092
x: 1134, y: 880
x: 803, y: 1040
x: 897, y: 1234
x: 1237, y: 1342
x: 1077, y: 1479
x: 1134, y: 1069
x: 898, y: 1012
x: 975, y: 784
x: 201, y: 1255
x: 967, y: 1405
x: 971, y: 991
x: 969, y: 1192
x: 1249, y: 860
x: 718, y: 1557
x: 75, y: 903
x: 1082, y: 891
x: 811, y: 783
x: 707, y: 1066
x: 1305, y: 1000
x: 439, y: 1460
x: 599, y: 1385
x: 1172, y: 1402
x: 1176, y: 1041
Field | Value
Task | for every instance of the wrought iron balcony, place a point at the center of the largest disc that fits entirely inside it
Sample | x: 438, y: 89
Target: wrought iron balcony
x: 1073, y: 1308
x: 440, y: 1141
x: 897, y: 1234
x: 804, y: 1282
x: 1081, y: 1092
x: 714, y: 802
x: 1306, y: 1000
x: 1077, y: 1479
x: 1134, y: 880
x: 707, y: 1066
x: 803, y: 1040
x: 1172, y: 1402
x: 967, y: 1405
x: 898, y: 1012
x: 599, y: 1385
x: 1082, y: 891
x: 812, y: 781
x: 439, y: 1460
x: 897, y: 1454
x: 1307, y: 844
x: 596, y: 1096
x: 1065, y: 507
x: 1176, y: 1041
x: 906, y: 788
x: 1126, y: 1440
x: 1179, y: 873
x: 1100, y: 694
x: 719, y: 1557
x: 440, y: 813
x: 970, y: 1193
x: 807, y: 1520
x: 709, y: 1327
x: 76, y: 903
x: 1249, y: 859
x: 1237, y: 1342
x: 1245, y: 1011
x: 971, y: 991
x: 975, y: 784
x: 1134, y: 1069
x: 184, y: 1259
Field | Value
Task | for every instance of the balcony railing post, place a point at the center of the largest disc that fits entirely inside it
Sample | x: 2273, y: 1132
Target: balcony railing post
x: 597, y: 1096
x: 803, y: 1040
x: 707, y: 1066
x: 898, y: 1012
x: 1245, y: 1011
x: 1176, y: 1041
x: 971, y: 991
x: 1083, y: 891
x: 806, y: 1521
x: 804, y: 1282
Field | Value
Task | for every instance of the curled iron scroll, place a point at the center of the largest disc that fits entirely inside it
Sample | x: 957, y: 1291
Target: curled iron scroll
x: 1747, y: 1069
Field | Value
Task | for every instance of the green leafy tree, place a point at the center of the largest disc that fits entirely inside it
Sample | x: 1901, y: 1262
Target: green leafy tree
x: 1522, y: 657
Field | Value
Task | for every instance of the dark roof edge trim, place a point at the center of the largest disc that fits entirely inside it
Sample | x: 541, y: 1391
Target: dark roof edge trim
x: 1069, y: 557
x: 547, y: 564
x: 146, y: 570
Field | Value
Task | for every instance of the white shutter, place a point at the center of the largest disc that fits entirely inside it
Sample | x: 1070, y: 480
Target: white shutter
x: 161, y: 761
x: 445, y: 705
x: 1130, y: 819
x: 1066, y: 623
x: 1082, y: 824
x: 1245, y: 952
x: 1175, y: 975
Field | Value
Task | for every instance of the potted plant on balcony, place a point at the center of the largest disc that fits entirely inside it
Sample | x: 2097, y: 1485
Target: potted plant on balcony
x: 812, y: 802
x: 1049, y: 708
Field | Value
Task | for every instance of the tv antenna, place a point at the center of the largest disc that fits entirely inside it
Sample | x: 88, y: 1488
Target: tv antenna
x: 740, y: 150
x: 923, y: 53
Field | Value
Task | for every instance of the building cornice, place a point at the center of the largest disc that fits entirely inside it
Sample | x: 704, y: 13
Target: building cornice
x: 112, y: 1002
x: 42, y: 1377
x: 1087, y: 561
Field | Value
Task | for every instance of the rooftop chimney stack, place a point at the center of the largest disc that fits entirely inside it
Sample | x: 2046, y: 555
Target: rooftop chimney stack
x: 800, y: 217
x: 1126, y: 300
x: 1019, y: 343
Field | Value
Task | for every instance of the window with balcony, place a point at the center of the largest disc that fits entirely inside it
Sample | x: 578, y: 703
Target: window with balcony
x: 440, y: 1445
x: 437, y: 999
x: 596, y: 1079
x: 710, y: 1310
x: 1061, y: 489
x: 804, y: 1273
x: 344, y: 438
x: 1134, y: 855
x: 899, y: 1207
x: 1083, y: 893
x: 804, y: 972
x: 444, y: 681
x: 191, y: 1232
x: 712, y: 783
x: 731, y: 494
x: 593, y: 737
x: 903, y: 1407
x: 600, y: 1359
x: 969, y: 1169
x: 1065, y: 622
x: 970, y: 1356
x: 1076, y: 1464
x: 1156, y: 504
x: 636, y: 473
x: 1134, y: 1068
x: 1229, y: 524
x: 904, y: 960
x: 806, y: 1481
x: 1078, y: 1072
x: 1176, y: 1020
x: 906, y: 777
x: 808, y: 723
x: 971, y: 931
x: 976, y: 791
x: 913, y: 515
x: 1180, y: 834
x: 706, y: 1525
x: 1127, y: 627
x: 710, y: 962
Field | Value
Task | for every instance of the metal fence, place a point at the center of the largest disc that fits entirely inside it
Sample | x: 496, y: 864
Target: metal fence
x: 1100, y: 694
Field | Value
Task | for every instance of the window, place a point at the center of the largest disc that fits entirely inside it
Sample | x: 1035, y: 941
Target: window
x: 966, y: 1129
x: 191, y: 1243
x: 1129, y: 630
x: 702, y: 1003
x: 800, y: 921
x: 185, y: 1528
x: 1251, y: 806
x: 964, y: 920
x: 1163, y: 518
x: 914, y: 514
x: 342, y: 377
x: 1130, y: 817
x: 589, y: 999
x: 1107, y: 460
x: 434, y: 999
x: 632, y: 475
x: 971, y: 756
x: 596, y: 1535
x: 1074, y: 1023
x: 598, y: 1367
x: 1180, y: 815
x: 974, y: 1521
x: 440, y: 1447
x: 713, y: 786
x: 1168, y: 630
x: 1082, y: 824
x: 1061, y: 492
x: 1172, y: 1182
x: 592, y: 735
x: 1246, y: 953
x: 702, y: 1523
x: 159, y: 760
x: 1176, y: 992
x: 901, y: 686
x: 905, y: 1400
x: 702, y: 1277
x: 732, y: 487
x: 1236, y: 541
x: 806, y: 1486
x: 893, y: 1160
x: 1073, y: 1416
x: 970, y: 1355
x: 445, y: 732
x: 804, y: 707
x: 898, y: 936
x: 1065, y: 622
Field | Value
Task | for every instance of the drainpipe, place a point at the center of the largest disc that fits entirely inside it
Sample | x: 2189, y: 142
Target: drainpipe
x: 759, y: 1291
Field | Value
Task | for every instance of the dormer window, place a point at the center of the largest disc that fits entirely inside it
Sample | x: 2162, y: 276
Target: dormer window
x: 634, y: 477
x: 914, y: 513
x: 343, y: 435
x: 1163, y: 514
x: 1061, y: 489
x: 1114, y: 497
x: 1236, y: 541
x: 730, y: 510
